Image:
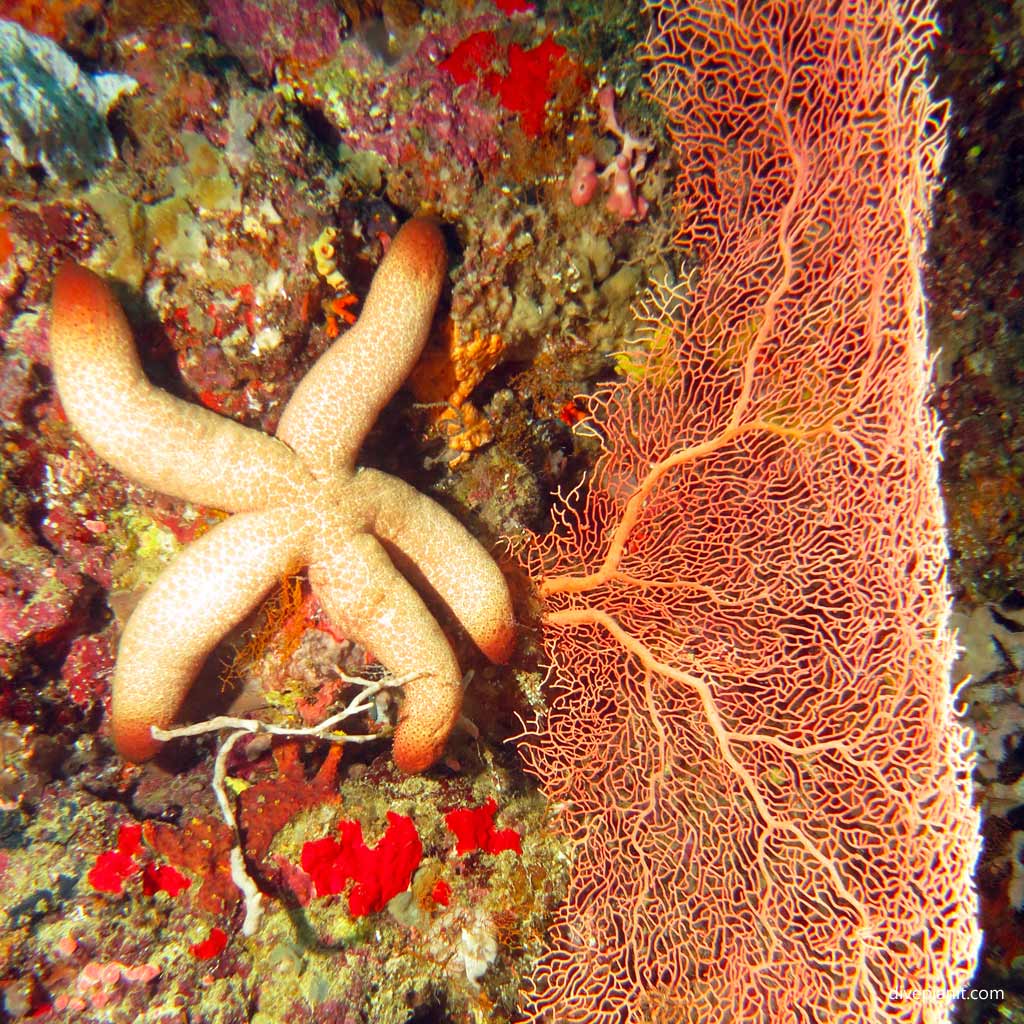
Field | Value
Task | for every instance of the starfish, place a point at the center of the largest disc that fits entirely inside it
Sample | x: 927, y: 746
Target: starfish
x: 298, y: 499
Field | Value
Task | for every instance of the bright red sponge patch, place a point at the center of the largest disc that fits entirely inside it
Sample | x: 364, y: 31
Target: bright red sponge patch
x: 376, y: 873
x: 473, y: 828
x: 114, y: 867
x: 527, y: 85
x: 471, y: 57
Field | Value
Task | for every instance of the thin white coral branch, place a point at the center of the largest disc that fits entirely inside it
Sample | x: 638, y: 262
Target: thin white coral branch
x: 363, y: 702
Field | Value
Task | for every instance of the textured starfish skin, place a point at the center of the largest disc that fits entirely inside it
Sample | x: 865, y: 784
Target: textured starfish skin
x: 299, y: 501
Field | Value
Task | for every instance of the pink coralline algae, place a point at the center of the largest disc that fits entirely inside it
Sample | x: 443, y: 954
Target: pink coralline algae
x: 86, y: 670
x: 377, y: 874
x: 38, y: 596
x: 210, y: 947
x: 267, y: 33
x: 411, y: 113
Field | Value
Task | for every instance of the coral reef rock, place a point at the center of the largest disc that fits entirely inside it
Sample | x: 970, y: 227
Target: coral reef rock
x: 51, y: 111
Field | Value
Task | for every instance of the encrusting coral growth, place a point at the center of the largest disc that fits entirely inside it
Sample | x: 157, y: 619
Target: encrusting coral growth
x: 299, y: 500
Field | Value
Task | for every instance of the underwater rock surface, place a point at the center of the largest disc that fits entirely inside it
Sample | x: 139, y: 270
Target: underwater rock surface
x: 52, y: 112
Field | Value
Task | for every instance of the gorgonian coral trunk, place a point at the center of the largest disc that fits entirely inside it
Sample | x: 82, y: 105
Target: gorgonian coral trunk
x: 751, y: 735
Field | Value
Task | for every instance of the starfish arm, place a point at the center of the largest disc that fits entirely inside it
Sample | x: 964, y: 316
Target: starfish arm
x: 456, y: 565
x: 152, y: 437
x: 209, y: 587
x: 341, y: 397
x: 366, y: 597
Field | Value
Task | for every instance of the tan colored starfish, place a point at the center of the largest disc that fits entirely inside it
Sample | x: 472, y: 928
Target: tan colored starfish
x: 298, y: 499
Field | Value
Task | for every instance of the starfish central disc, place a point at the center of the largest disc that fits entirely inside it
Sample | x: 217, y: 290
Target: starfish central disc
x: 299, y: 500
